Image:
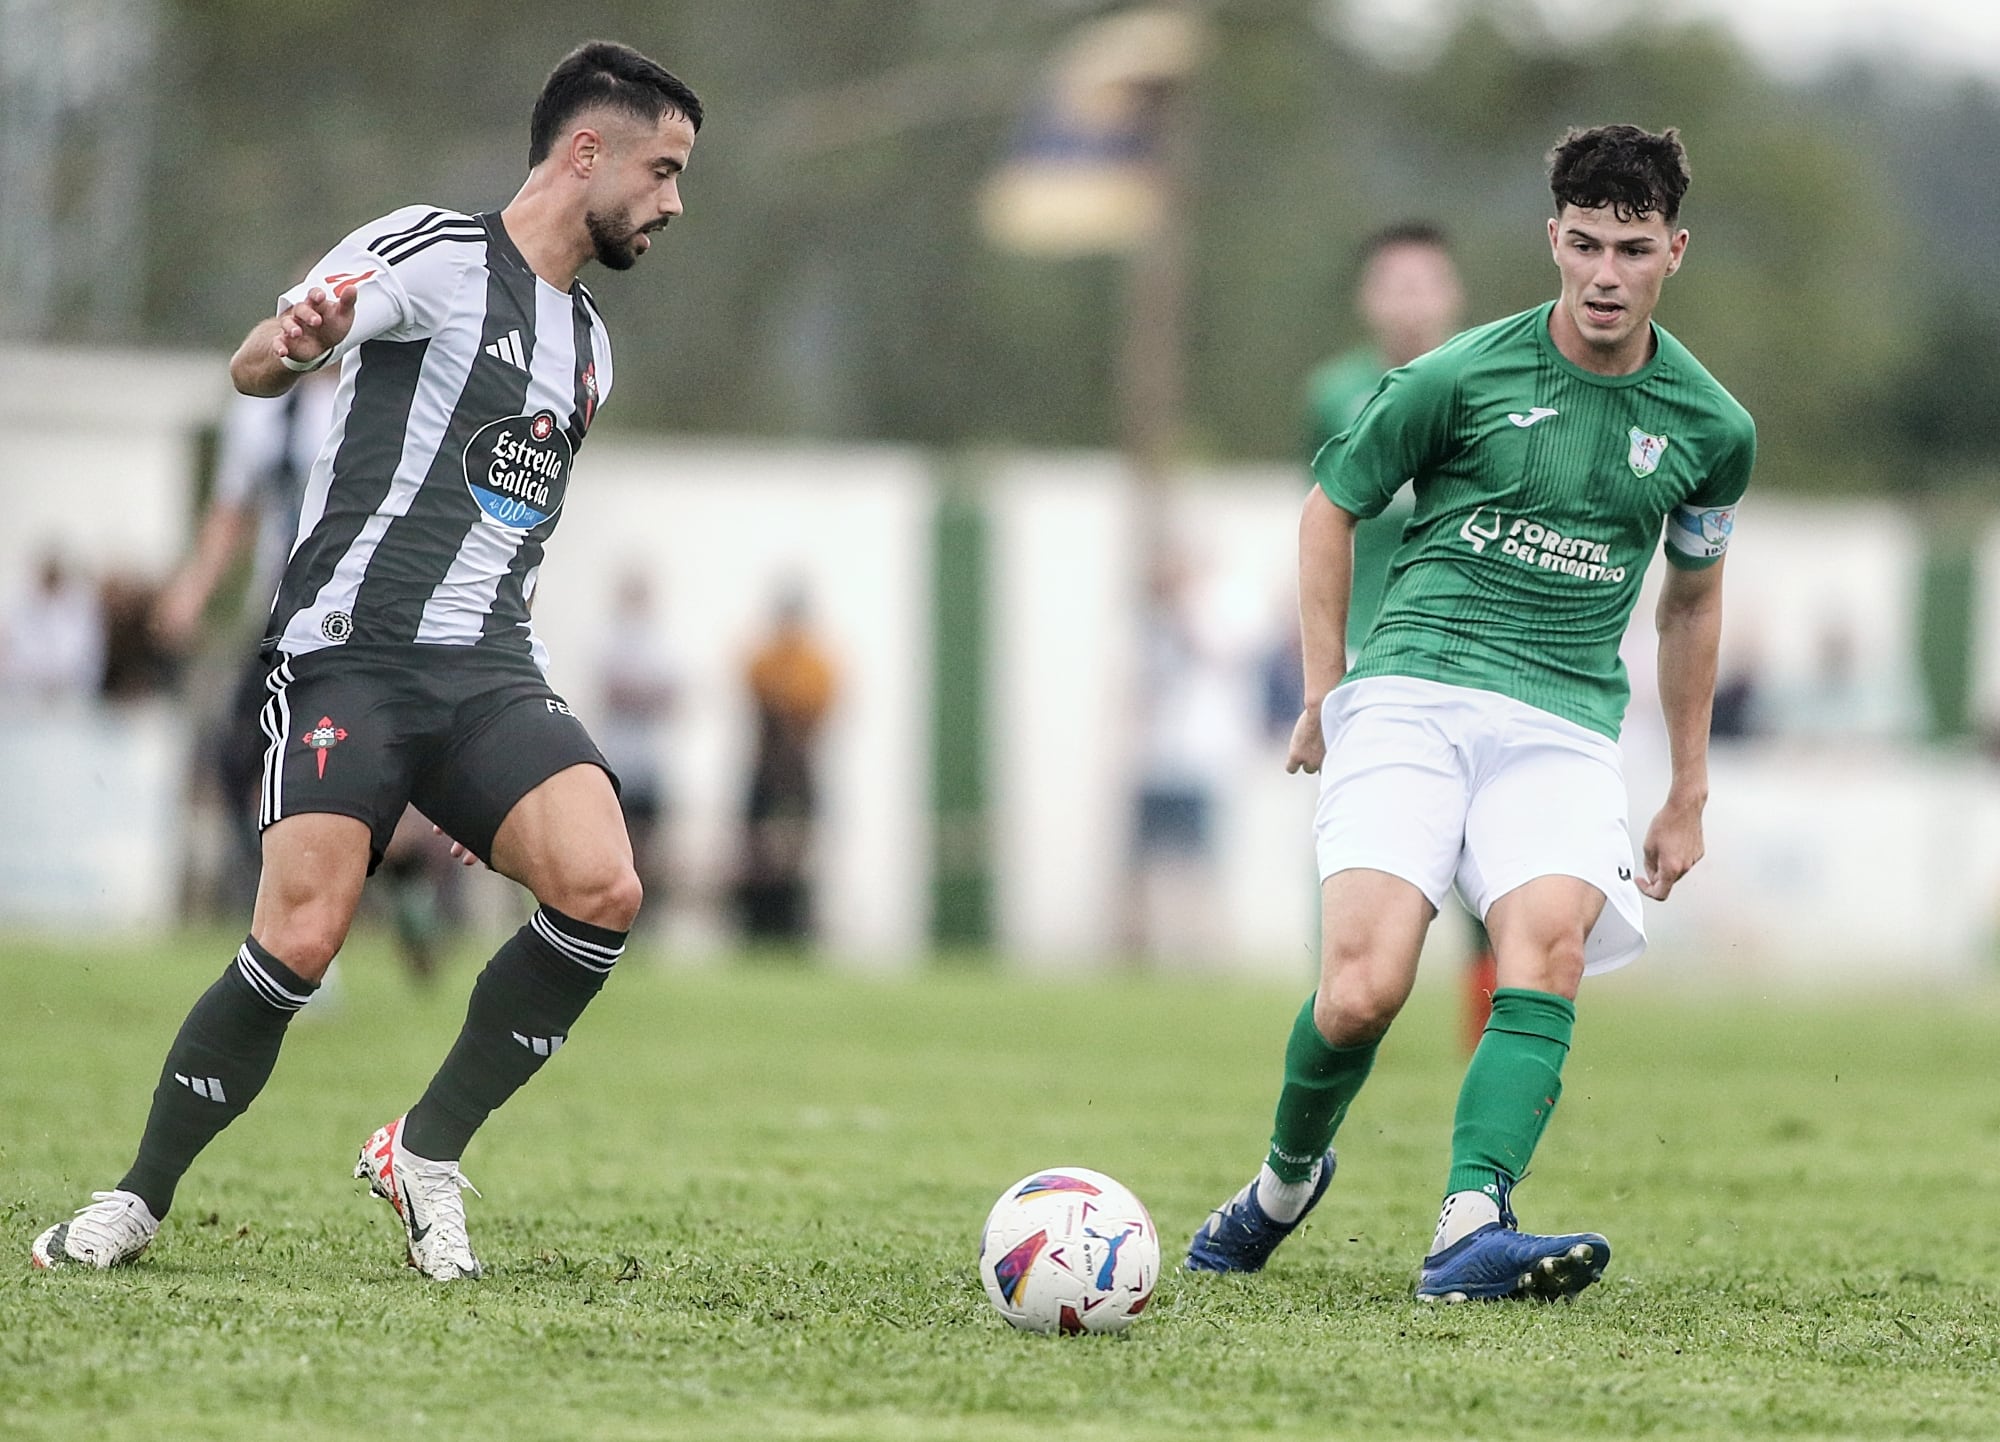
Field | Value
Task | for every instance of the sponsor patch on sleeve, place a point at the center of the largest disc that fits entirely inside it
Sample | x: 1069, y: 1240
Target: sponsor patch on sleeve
x: 1701, y: 535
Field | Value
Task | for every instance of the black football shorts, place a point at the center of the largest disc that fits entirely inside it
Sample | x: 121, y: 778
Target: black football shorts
x: 458, y: 732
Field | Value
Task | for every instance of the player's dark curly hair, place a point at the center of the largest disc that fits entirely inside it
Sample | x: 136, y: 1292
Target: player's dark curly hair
x: 601, y: 72
x: 1633, y: 173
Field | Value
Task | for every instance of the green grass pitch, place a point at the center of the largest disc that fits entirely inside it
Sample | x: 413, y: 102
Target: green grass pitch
x: 744, y: 1204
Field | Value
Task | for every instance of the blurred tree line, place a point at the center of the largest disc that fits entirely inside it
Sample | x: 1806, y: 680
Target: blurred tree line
x: 829, y: 279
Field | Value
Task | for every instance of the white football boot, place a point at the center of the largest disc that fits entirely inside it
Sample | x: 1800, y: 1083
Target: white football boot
x: 426, y: 1197
x: 115, y: 1228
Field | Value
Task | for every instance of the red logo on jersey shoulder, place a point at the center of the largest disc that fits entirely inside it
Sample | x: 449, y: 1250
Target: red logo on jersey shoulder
x: 589, y: 392
x: 323, y: 738
x: 344, y: 282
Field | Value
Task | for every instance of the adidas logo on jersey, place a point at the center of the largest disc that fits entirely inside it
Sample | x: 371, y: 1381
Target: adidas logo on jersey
x: 540, y: 1045
x: 208, y: 1088
x: 508, y: 349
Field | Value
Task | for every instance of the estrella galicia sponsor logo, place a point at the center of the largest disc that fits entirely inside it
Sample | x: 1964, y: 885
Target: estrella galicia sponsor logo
x: 517, y: 469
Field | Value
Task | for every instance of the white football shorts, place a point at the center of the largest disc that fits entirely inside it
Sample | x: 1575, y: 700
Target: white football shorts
x: 1445, y: 785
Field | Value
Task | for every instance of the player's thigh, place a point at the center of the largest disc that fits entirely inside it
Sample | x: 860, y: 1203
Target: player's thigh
x: 1539, y: 931
x: 314, y: 867
x: 566, y: 842
x: 527, y: 791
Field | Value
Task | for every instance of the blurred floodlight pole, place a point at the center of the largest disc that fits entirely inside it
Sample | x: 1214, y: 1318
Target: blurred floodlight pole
x: 1099, y: 168
x: 75, y: 127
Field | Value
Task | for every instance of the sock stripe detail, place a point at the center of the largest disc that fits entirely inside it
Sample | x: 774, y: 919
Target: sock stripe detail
x: 590, y: 955
x: 541, y: 1045
x: 267, y: 986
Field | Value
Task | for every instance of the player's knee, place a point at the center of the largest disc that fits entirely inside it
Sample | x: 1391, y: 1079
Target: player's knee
x: 1355, y: 1008
x: 608, y: 897
x: 304, y: 943
x: 1554, y: 964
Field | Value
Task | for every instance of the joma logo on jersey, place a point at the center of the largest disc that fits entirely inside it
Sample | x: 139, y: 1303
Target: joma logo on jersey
x: 517, y: 469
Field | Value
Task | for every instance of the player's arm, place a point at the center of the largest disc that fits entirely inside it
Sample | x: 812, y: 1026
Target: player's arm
x: 1689, y: 619
x: 1326, y: 583
x: 393, y: 277
x: 302, y: 337
x: 1400, y: 433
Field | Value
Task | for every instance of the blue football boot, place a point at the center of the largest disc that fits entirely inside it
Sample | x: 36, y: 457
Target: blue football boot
x: 1239, y: 1236
x: 1499, y: 1261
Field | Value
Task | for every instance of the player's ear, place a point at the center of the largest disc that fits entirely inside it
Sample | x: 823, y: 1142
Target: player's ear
x: 586, y: 151
x: 1676, y: 249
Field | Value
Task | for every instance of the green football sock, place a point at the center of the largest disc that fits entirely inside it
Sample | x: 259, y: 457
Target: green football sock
x: 1510, y: 1088
x: 1320, y: 1083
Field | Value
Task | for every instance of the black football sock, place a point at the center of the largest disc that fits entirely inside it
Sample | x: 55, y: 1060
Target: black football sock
x: 215, y: 1068
x: 522, y: 1008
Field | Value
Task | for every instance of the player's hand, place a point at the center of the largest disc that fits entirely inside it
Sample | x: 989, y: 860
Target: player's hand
x: 1308, y: 744
x: 1673, y: 846
x: 314, y: 326
x: 458, y: 851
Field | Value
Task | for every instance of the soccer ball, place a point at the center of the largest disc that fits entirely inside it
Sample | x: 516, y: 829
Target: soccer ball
x: 1069, y: 1250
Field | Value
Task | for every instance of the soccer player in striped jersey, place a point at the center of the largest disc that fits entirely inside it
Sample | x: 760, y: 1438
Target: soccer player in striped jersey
x: 1473, y: 740
x: 403, y: 664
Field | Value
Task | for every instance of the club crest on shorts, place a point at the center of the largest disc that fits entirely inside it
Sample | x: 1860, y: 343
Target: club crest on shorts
x: 1646, y: 452
x: 323, y: 738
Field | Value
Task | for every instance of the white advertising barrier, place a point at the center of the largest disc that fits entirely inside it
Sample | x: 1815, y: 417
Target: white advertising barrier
x: 1069, y: 727
x: 1843, y: 849
x: 720, y: 531
x: 92, y: 826
x: 97, y: 452
x: 1839, y: 863
x: 1063, y: 566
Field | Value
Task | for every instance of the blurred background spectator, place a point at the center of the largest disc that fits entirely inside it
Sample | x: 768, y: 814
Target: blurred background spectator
x: 792, y: 683
x: 52, y: 637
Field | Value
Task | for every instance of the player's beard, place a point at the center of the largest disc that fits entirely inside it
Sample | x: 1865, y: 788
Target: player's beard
x: 612, y: 239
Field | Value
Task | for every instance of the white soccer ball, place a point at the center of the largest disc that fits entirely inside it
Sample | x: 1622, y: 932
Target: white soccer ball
x: 1069, y: 1250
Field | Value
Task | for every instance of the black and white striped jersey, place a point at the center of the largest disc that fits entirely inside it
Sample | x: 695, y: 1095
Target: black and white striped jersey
x: 466, y: 387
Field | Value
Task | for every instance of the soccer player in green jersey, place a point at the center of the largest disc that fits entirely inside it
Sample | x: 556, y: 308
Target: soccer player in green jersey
x: 1410, y: 300
x: 1472, y: 741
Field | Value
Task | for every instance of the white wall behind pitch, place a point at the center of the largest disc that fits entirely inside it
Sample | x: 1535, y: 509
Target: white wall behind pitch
x: 97, y: 456
x: 720, y: 529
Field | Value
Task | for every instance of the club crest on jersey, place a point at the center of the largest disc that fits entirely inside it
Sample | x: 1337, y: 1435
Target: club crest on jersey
x: 517, y: 469
x: 589, y: 392
x: 1646, y: 452
x: 322, y: 739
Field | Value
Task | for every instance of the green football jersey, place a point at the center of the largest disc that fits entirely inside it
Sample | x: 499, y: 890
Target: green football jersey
x: 1541, y: 491
x: 1335, y: 396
